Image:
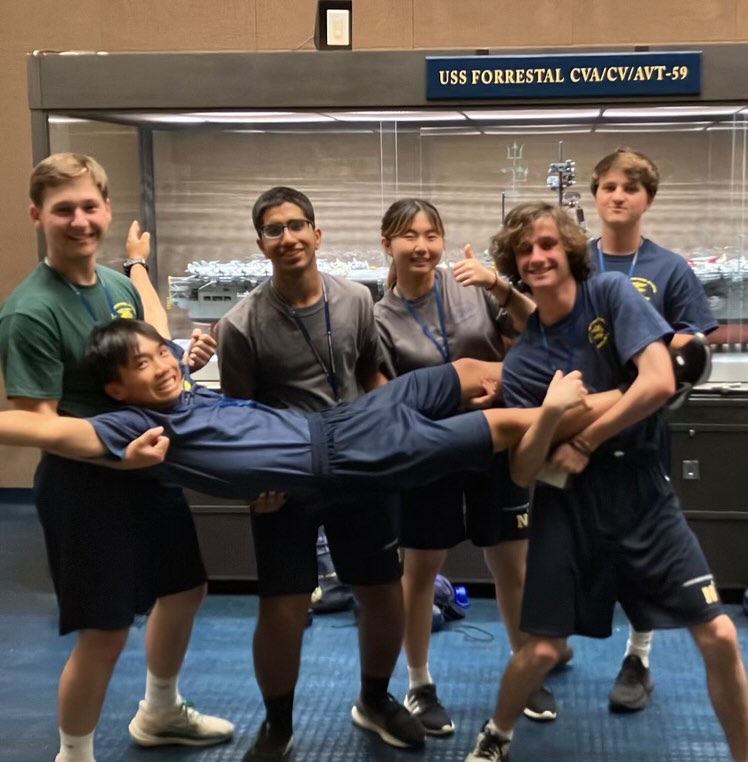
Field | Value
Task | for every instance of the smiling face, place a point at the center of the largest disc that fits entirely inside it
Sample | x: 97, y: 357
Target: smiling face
x: 542, y: 261
x: 295, y: 250
x: 152, y: 376
x: 74, y: 217
x: 416, y: 250
x: 621, y: 200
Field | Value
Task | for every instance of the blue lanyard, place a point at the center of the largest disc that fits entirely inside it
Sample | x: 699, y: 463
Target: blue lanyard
x: 443, y: 345
x: 84, y: 300
x: 330, y: 372
x: 601, y: 259
x: 571, y: 337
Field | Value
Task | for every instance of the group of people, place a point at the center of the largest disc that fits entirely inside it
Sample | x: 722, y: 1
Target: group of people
x: 415, y: 405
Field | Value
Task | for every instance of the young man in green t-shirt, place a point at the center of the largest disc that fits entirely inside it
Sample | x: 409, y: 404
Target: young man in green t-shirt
x: 118, y: 544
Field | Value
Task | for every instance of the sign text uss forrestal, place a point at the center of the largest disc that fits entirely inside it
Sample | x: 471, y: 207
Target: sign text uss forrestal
x: 565, y: 75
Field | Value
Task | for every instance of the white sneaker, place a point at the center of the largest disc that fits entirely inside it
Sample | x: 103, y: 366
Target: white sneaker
x: 489, y: 746
x: 183, y: 725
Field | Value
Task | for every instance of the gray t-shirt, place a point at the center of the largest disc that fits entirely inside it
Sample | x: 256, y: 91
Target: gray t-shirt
x: 474, y: 325
x: 263, y: 354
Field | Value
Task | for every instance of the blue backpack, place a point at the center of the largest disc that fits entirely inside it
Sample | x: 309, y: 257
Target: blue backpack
x: 450, y: 602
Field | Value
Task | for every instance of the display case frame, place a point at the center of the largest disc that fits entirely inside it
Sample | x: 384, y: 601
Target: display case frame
x: 118, y: 86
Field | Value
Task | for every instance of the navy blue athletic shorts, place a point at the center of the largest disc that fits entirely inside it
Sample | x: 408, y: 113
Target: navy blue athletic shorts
x: 116, y: 541
x: 485, y: 507
x: 400, y: 434
x: 616, y: 534
x: 361, y: 533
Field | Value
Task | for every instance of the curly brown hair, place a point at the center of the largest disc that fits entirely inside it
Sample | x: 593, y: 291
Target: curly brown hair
x: 518, y: 226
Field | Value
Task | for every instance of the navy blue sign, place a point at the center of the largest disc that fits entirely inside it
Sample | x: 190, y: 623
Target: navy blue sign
x: 564, y: 76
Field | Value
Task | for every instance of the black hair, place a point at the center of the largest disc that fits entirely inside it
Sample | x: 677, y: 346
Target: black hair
x: 277, y: 196
x: 110, y: 347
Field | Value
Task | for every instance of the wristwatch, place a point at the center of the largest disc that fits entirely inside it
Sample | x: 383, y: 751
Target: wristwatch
x: 127, y: 265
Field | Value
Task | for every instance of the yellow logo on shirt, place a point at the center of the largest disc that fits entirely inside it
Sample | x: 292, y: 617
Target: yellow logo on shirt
x: 598, y: 332
x: 645, y: 287
x: 710, y: 593
x: 124, y: 310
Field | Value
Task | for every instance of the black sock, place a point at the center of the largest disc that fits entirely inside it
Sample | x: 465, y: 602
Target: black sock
x: 279, y: 716
x: 374, y: 689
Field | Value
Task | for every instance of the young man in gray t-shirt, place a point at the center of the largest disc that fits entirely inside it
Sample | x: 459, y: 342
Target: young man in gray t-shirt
x: 307, y: 341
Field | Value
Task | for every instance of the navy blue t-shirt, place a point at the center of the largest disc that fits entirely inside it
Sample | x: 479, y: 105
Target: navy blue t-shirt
x: 609, y: 325
x: 666, y: 281
x: 221, y: 446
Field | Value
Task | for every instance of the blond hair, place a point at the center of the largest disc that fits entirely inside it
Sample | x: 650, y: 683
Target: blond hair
x: 62, y: 168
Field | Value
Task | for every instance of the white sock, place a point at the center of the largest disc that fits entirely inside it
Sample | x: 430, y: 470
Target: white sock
x: 639, y: 644
x: 161, y: 693
x: 418, y: 676
x: 75, y: 748
x: 505, y: 734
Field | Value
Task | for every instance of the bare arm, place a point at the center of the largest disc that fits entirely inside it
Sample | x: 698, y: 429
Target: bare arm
x: 36, y: 423
x: 470, y: 272
x: 565, y: 393
x: 652, y: 388
x: 373, y: 380
x: 68, y: 437
x: 202, y: 345
x: 139, y: 247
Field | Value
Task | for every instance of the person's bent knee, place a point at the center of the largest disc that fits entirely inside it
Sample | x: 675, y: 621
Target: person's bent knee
x: 717, y: 637
x: 545, y: 653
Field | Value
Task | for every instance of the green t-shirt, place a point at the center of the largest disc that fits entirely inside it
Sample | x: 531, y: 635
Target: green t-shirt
x: 44, y: 328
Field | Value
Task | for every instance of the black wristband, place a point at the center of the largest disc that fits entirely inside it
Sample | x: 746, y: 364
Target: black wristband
x: 128, y: 264
x: 509, y: 294
x: 580, y: 448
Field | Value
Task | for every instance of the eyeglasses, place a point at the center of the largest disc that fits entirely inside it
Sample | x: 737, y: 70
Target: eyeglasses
x: 275, y: 229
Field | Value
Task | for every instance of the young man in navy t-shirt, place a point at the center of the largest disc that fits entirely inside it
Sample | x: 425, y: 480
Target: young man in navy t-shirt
x: 617, y: 532
x: 624, y: 184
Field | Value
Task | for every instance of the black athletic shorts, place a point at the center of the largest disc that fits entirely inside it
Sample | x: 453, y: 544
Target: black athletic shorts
x: 116, y: 541
x: 361, y: 533
x: 485, y: 507
x: 616, y: 534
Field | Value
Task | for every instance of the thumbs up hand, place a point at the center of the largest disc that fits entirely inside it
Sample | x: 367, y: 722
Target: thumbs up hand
x: 471, y: 272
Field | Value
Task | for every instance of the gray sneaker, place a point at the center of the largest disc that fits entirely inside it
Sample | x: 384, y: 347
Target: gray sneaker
x: 632, y: 687
x: 183, y: 725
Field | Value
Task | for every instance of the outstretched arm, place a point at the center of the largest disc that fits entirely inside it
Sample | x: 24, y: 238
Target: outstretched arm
x: 68, y: 437
x: 35, y: 423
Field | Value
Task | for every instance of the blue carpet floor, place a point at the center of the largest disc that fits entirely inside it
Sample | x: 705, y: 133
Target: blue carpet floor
x: 466, y: 659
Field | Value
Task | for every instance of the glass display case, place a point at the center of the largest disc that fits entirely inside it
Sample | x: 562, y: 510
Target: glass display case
x: 190, y: 140
x: 207, y: 169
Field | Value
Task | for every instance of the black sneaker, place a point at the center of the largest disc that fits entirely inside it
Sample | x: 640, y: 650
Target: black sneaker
x: 489, y: 746
x: 265, y: 748
x: 391, y: 721
x: 423, y: 703
x: 633, y: 685
x: 541, y: 706
x: 692, y: 365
